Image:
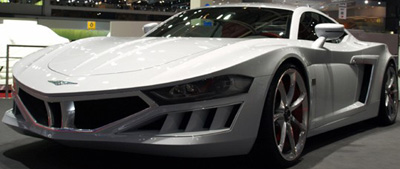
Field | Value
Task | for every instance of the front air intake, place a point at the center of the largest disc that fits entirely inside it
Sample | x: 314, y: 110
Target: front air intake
x: 35, y: 106
x: 89, y: 114
x: 96, y: 113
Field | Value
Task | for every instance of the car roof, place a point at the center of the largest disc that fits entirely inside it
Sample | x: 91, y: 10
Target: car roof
x: 283, y: 6
x: 261, y: 5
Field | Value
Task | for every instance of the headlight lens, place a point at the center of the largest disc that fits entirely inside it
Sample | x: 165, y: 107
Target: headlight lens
x: 211, y: 88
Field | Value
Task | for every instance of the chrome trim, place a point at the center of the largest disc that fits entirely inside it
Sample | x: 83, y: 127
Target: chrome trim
x: 68, y: 114
x: 50, y: 116
x: 61, y: 82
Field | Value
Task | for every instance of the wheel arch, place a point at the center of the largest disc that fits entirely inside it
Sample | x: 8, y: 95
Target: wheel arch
x: 298, y: 63
x: 302, y: 65
x: 393, y: 60
x: 296, y: 60
x: 387, y: 59
x: 383, y: 116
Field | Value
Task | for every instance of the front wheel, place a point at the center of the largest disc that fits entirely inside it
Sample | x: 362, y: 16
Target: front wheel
x: 389, y: 97
x: 284, y: 124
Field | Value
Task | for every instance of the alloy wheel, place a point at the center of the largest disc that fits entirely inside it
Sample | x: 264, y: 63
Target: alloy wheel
x: 290, y: 118
x: 391, y: 94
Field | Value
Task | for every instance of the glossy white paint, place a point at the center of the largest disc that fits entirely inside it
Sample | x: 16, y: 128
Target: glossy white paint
x: 148, y: 27
x: 119, y: 67
x: 329, y: 30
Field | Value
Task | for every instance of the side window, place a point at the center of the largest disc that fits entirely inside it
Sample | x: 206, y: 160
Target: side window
x: 324, y: 19
x: 308, y: 21
x: 307, y: 24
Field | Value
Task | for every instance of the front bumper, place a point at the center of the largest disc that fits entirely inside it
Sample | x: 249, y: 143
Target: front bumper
x: 170, y: 139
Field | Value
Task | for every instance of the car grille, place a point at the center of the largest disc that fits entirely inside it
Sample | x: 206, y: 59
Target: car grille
x: 89, y: 114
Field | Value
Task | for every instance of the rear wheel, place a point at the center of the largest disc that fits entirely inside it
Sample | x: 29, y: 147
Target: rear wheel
x: 389, y: 97
x: 284, y: 125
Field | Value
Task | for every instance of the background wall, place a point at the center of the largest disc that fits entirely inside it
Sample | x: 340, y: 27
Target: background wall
x: 127, y: 28
x: 391, y: 40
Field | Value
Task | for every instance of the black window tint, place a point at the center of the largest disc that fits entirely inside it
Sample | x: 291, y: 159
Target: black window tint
x: 231, y: 22
x: 307, y: 25
x: 324, y: 19
x: 308, y: 22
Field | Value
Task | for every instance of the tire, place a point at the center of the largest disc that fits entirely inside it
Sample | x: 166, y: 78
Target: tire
x: 389, y: 97
x: 284, y: 123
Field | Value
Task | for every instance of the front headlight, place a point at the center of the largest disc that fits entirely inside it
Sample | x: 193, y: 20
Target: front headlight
x: 206, y: 89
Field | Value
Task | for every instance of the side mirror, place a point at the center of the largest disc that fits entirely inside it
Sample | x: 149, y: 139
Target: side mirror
x: 146, y: 28
x: 330, y: 31
x: 327, y: 31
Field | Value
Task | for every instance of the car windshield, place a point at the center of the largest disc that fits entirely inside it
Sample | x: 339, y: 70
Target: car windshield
x: 227, y: 22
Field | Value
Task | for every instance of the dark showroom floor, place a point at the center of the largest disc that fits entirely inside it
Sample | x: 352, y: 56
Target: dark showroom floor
x: 360, y: 146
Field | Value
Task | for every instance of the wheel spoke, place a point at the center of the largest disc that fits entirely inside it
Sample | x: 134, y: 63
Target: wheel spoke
x: 297, y: 123
x: 394, y: 110
x: 279, y: 115
x: 390, y: 83
x: 390, y: 100
x: 291, y: 138
x: 387, y: 101
x: 283, y: 137
x: 388, y: 78
x: 391, y: 104
x: 292, y: 88
x: 282, y: 105
x: 298, y: 102
x: 282, y: 91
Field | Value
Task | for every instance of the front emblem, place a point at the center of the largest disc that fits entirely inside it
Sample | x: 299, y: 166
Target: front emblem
x: 61, y: 82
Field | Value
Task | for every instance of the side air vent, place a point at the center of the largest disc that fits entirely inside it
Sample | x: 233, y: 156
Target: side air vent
x: 366, y: 82
x: 198, y: 120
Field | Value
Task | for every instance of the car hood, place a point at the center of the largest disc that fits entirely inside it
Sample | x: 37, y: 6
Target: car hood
x: 99, y: 64
x: 100, y: 56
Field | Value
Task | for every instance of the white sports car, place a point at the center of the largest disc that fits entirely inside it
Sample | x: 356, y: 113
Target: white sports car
x: 214, y: 81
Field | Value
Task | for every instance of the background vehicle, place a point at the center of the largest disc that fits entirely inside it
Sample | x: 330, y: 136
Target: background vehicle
x: 14, y: 32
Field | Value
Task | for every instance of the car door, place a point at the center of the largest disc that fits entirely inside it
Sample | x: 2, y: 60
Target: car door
x: 336, y: 80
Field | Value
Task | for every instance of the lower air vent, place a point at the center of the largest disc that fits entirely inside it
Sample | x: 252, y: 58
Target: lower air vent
x: 155, y: 124
x: 96, y: 113
x: 36, y: 107
x: 198, y: 120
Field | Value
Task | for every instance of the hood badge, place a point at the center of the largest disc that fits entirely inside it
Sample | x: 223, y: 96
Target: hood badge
x: 61, y: 82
